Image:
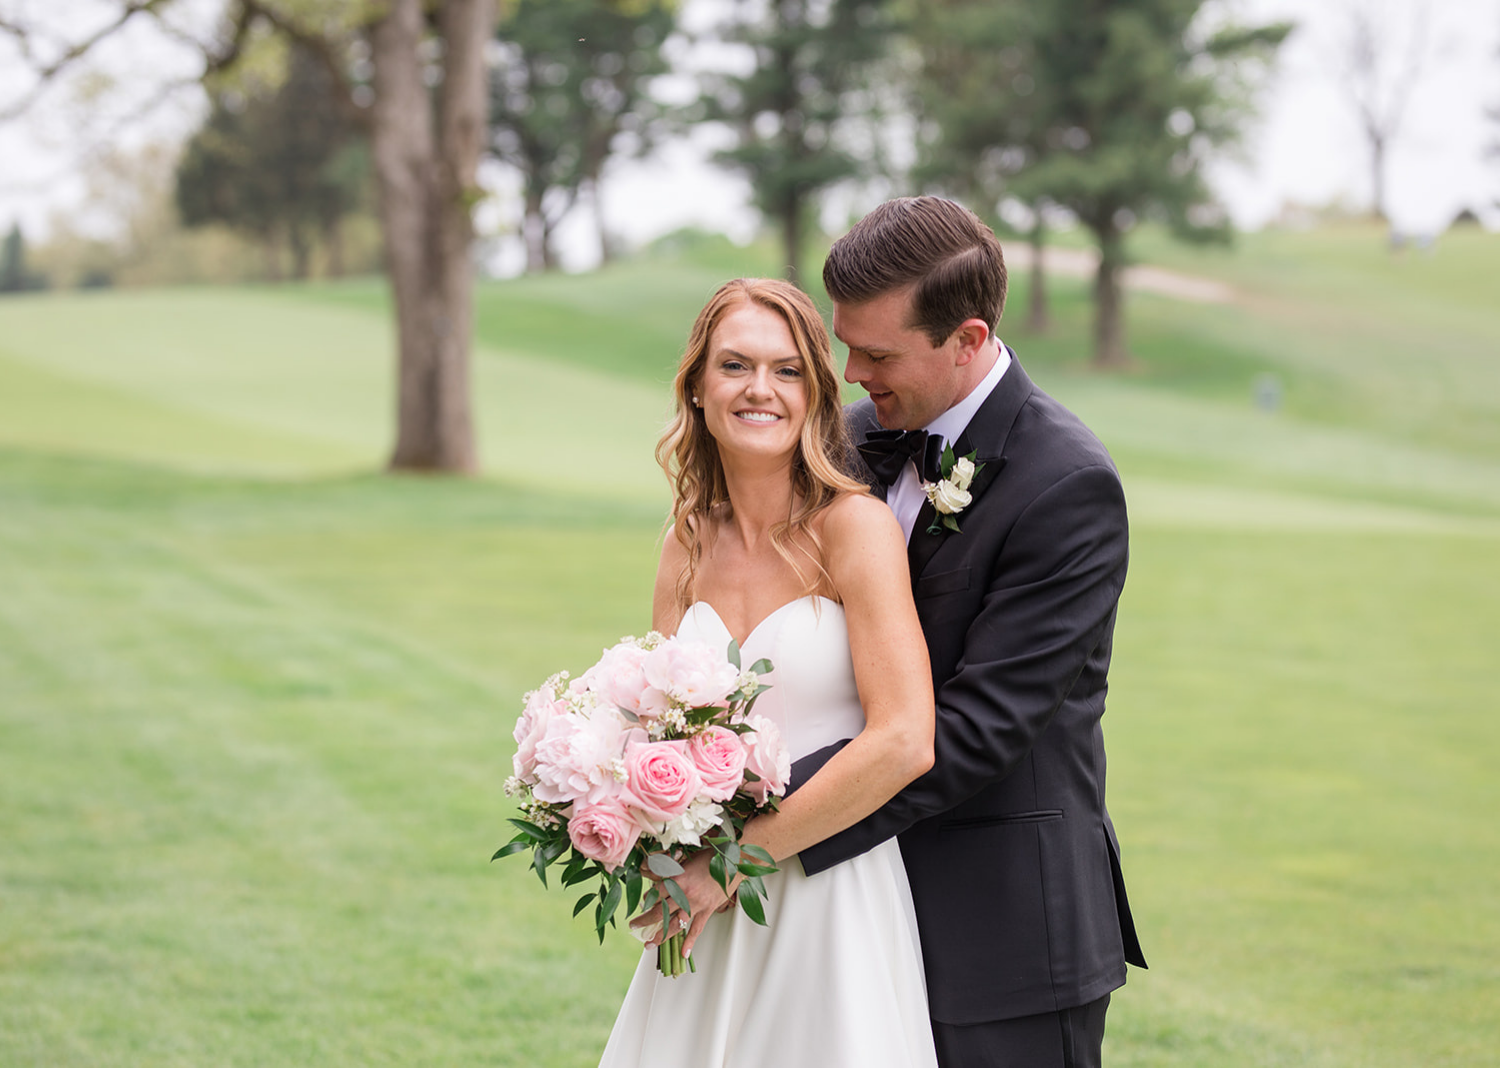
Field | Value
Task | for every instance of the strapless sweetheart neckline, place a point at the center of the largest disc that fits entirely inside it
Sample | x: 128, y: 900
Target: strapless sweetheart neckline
x: 772, y: 614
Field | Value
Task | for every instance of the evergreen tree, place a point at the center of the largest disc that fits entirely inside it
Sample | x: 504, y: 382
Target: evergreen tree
x: 569, y: 88
x: 14, y: 275
x: 797, y: 115
x: 1124, y: 102
x: 284, y: 165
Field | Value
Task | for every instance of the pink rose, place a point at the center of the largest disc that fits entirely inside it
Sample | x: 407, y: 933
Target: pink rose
x: 660, y: 779
x: 531, y: 727
x: 693, y: 673
x: 767, y: 758
x: 603, y: 831
x: 719, y: 756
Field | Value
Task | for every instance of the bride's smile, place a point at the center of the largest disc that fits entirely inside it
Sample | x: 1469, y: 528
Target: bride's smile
x: 754, y: 390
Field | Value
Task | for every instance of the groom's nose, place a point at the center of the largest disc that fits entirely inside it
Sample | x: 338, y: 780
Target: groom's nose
x: 856, y: 369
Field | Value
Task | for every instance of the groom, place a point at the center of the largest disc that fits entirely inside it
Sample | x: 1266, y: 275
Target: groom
x: 1012, y: 858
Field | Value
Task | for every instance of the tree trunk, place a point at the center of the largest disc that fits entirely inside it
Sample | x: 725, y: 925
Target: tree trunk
x: 791, y: 239
x: 606, y: 245
x: 301, y: 252
x: 1109, y: 311
x: 1377, y: 175
x: 1037, y: 319
x: 272, y: 247
x: 425, y: 166
x: 534, y: 233
x: 333, y: 245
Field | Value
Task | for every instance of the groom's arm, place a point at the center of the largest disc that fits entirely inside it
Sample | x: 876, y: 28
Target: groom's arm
x: 1049, y: 605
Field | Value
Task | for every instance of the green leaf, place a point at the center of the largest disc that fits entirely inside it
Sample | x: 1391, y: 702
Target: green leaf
x: 583, y: 902
x: 649, y: 901
x: 677, y: 895
x: 531, y: 830
x: 762, y: 667
x: 734, y: 652
x: 539, y: 865
x: 732, y: 852
x: 751, y: 903
x: 511, y: 847
x: 663, y: 865
x: 718, y: 867
x: 747, y: 868
x: 633, y: 883
x: 948, y: 460
x: 612, y: 900
x: 758, y: 853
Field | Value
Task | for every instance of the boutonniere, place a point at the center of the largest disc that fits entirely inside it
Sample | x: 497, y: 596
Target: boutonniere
x: 950, y: 494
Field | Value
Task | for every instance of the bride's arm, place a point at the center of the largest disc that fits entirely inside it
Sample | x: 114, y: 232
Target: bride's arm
x: 865, y: 555
x: 666, y: 612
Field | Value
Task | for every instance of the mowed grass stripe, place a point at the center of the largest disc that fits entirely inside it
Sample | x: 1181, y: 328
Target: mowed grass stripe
x: 244, y: 827
x: 243, y: 377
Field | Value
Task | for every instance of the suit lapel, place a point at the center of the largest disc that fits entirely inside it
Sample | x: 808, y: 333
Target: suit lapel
x: 986, y: 435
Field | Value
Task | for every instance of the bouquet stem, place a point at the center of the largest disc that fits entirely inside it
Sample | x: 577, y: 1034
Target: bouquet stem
x: 669, y: 959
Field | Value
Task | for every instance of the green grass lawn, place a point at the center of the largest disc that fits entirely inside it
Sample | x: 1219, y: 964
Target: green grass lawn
x: 255, y: 700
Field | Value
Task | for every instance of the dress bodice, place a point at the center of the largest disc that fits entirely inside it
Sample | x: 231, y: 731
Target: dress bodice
x: 813, y: 697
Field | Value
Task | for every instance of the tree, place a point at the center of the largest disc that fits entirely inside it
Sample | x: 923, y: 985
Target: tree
x: 1130, y: 99
x: 794, y: 115
x: 412, y: 72
x: 1382, y: 62
x: 278, y: 163
x: 571, y: 80
x: 15, y: 276
x: 987, y: 120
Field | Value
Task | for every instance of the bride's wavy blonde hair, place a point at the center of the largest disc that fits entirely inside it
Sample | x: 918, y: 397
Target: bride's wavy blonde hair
x: 689, y: 454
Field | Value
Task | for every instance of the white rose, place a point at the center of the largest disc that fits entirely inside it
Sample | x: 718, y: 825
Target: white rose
x: 688, y: 829
x: 948, y: 498
x: 962, y: 474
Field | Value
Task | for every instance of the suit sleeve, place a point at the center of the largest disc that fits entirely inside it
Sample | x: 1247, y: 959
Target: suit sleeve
x: 1050, y: 603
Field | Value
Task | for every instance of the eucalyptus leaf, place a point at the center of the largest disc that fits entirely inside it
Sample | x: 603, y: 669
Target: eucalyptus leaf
x: 734, y: 652
x: 762, y: 667
x: 663, y: 865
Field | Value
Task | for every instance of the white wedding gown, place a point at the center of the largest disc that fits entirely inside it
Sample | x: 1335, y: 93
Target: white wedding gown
x: 835, y: 979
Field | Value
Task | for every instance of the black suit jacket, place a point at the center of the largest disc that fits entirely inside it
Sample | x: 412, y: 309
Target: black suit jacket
x: 1012, y: 858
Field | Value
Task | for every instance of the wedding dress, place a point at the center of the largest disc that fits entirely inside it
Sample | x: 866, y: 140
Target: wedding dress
x: 835, y: 979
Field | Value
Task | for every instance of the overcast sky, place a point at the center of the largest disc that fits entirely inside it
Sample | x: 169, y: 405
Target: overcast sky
x: 1307, y: 147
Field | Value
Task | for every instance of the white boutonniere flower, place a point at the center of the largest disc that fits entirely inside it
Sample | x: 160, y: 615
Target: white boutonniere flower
x: 950, y: 494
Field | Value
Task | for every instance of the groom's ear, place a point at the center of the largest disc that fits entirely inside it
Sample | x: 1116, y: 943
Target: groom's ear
x: 971, y: 335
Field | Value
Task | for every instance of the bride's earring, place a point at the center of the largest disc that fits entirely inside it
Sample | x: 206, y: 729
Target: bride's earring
x: 697, y: 403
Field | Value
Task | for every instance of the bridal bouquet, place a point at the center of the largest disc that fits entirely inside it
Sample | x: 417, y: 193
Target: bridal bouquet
x: 651, y: 754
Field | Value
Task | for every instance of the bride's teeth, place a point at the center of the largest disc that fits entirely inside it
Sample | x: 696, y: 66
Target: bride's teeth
x: 759, y: 417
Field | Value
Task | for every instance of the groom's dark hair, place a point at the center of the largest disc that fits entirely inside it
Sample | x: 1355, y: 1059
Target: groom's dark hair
x: 939, y: 247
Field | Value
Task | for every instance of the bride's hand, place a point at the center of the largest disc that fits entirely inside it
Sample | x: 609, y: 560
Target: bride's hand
x: 705, y: 897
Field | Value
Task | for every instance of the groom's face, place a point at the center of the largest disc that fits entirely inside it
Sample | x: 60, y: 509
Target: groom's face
x: 910, y: 380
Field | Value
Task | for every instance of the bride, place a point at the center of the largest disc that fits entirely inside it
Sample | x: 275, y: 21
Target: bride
x: 775, y: 547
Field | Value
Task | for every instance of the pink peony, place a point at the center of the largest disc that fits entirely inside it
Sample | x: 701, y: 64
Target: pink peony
x: 693, y: 673
x: 660, y: 779
x: 619, y: 679
x: 767, y: 758
x: 530, y: 729
x: 719, y: 756
x: 575, y: 757
x: 603, y: 831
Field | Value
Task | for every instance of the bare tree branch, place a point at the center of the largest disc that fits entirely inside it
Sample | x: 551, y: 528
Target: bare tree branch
x: 47, y: 72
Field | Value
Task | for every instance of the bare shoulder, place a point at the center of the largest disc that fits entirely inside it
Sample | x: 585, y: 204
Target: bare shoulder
x: 861, y: 537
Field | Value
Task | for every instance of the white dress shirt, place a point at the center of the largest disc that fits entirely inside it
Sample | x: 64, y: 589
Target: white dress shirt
x: 905, y: 495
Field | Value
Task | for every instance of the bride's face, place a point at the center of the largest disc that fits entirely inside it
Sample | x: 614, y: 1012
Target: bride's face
x: 754, y: 389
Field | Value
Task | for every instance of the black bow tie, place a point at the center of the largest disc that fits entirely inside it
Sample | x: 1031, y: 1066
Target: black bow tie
x: 886, y: 452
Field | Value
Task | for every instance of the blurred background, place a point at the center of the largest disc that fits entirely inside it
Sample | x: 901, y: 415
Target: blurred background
x: 335, y: 338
